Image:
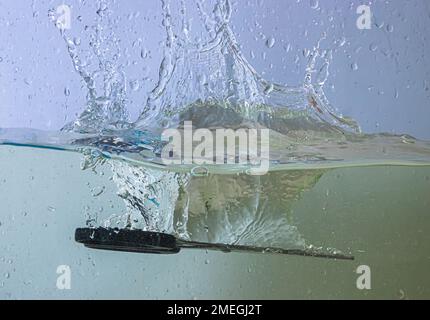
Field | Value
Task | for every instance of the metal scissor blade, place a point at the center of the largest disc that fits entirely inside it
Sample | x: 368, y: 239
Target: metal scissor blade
x: 265, y: 250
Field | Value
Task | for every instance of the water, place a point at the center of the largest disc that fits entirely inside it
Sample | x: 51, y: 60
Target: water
x: 299, y: 203
x: 380, y: 214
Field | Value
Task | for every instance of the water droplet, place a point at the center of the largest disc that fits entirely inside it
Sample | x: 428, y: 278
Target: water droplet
x: 342, y: 42
x: 135, y: 85
x: 270, y: 42
x: 51, y: 209
x: 268, y: 89
x: 66, y: 92
x: 354, y: 66
x: 144, y: 53
x: 426, y: 86
x: 7, y: 275
x: 207, y: 261
x: 314, y: 4
x: 97, y: 191
x: 373, y: 47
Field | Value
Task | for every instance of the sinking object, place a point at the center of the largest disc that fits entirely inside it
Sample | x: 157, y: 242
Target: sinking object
x: 139, y: 241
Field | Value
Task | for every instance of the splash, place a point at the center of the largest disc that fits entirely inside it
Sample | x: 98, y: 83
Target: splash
x: 209, y: 81
x: 210, y: 84
x: 211, y: 71
x: 105, y: 82
x: 214, y: 72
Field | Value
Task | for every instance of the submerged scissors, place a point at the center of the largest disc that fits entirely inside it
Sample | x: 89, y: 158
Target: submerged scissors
x: 128, y: 240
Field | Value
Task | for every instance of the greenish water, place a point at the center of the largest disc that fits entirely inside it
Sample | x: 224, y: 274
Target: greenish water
x: 380, y: 214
